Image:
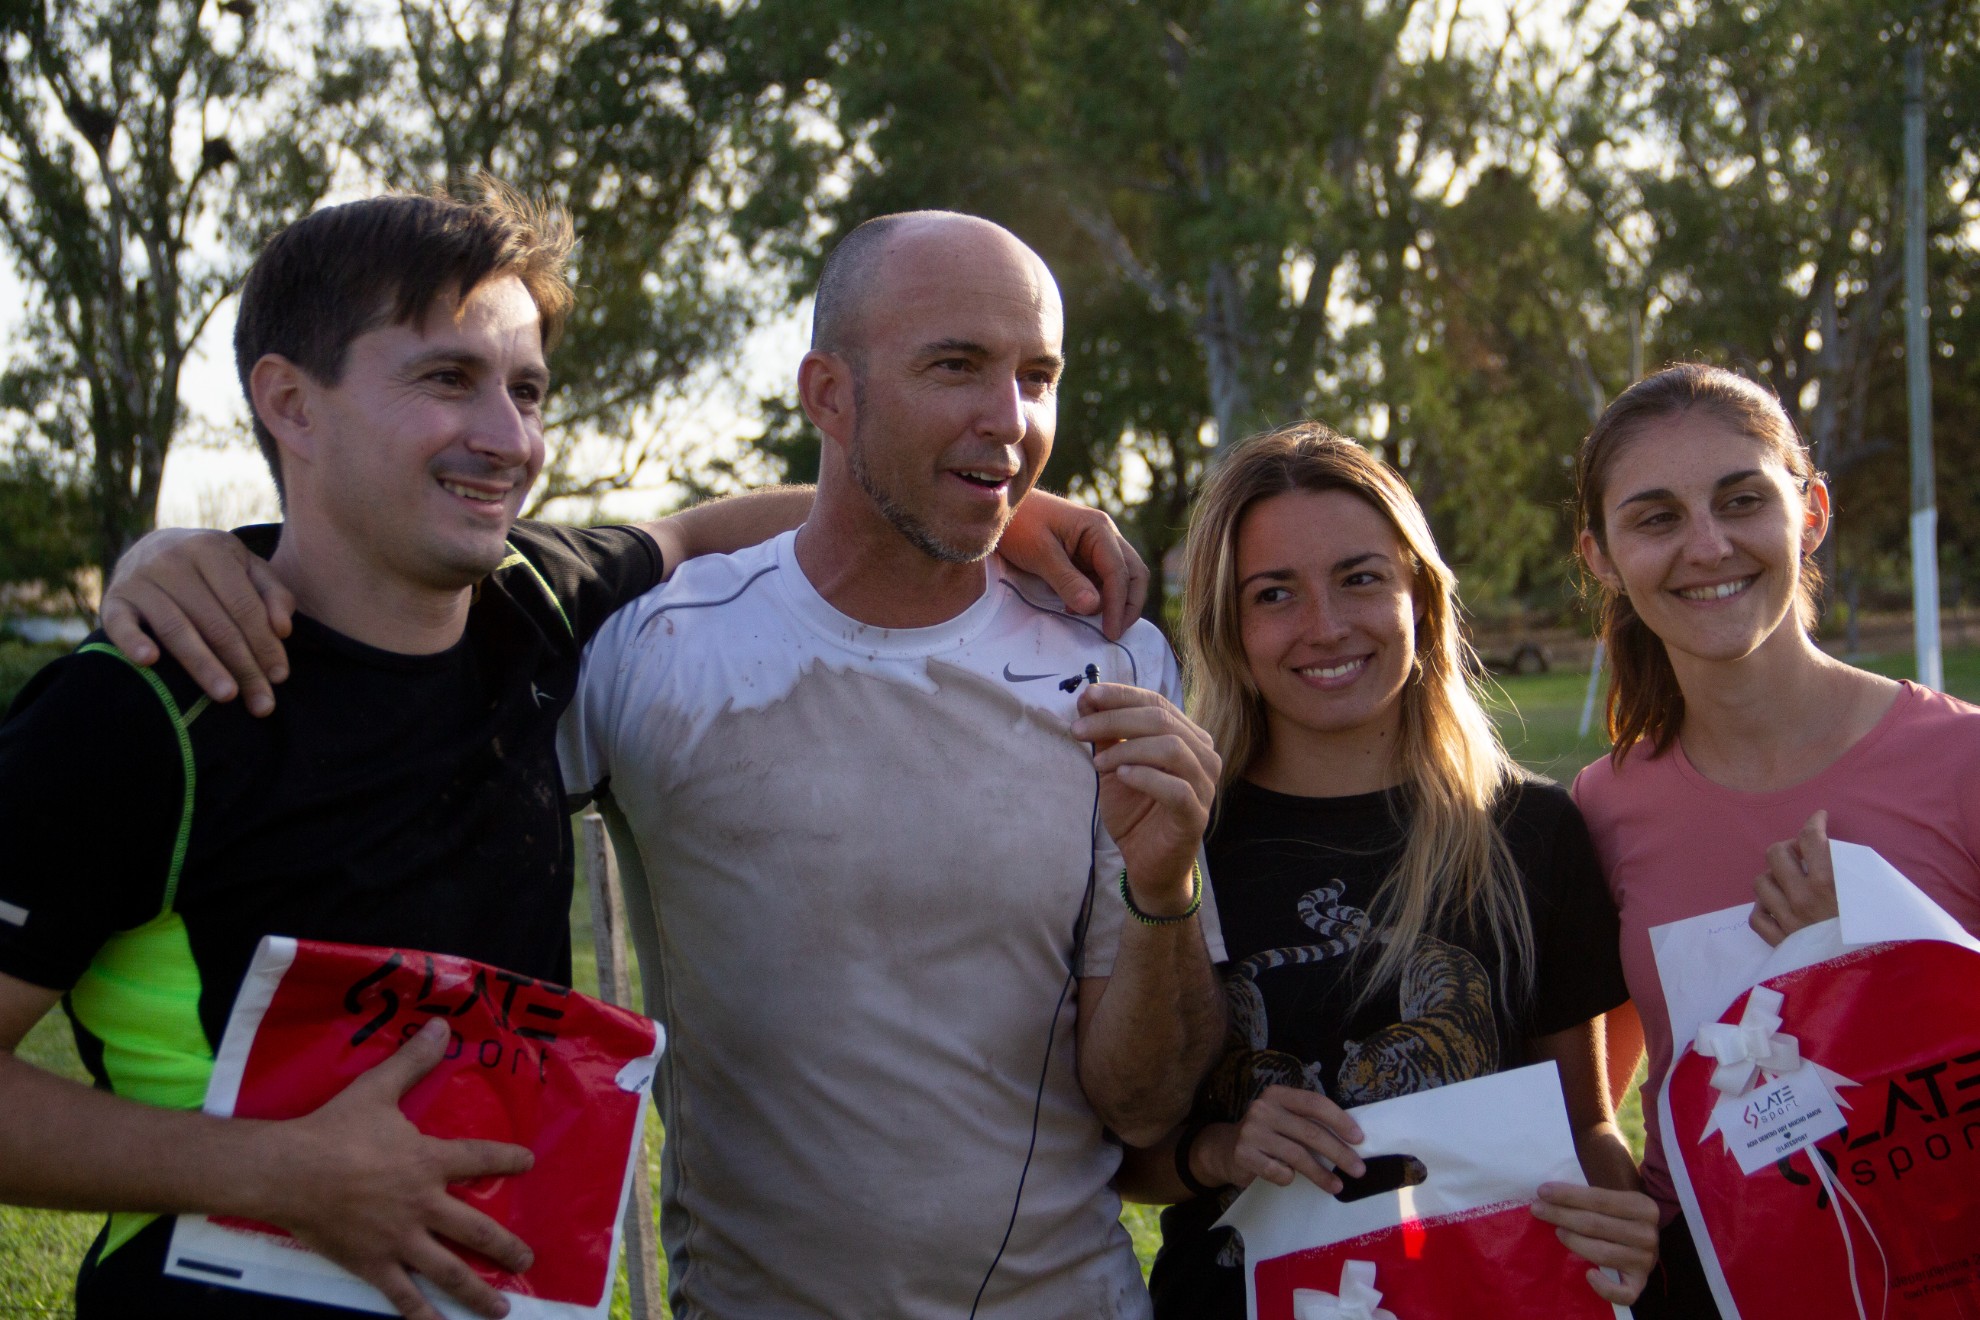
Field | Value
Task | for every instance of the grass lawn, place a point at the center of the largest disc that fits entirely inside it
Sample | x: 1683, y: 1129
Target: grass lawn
x: 1538, y: 716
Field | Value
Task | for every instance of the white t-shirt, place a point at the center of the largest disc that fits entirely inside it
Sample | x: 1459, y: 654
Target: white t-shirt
x: 856, y: 859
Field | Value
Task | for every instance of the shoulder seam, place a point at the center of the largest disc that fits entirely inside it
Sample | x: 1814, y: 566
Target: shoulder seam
x: 516, y: 557
x: 747, y: 583
x: 181, y: 725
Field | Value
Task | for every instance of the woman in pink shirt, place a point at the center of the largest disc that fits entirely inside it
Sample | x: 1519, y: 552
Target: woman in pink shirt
x: 1739, y: 746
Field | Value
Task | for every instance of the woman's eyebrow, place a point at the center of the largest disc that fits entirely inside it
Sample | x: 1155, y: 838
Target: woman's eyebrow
x: 1665, y: 493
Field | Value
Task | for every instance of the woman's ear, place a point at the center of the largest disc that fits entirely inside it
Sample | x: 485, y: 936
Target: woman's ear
x: 1815, y: 515
x: 1599, y: 562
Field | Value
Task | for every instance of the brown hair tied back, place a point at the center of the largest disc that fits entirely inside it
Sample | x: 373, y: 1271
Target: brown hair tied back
x: 1645, y: 701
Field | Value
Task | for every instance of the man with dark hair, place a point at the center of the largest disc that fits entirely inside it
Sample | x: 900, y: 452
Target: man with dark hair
x: 405, y: 792
x: 314, y: 288
x: 909, y: 844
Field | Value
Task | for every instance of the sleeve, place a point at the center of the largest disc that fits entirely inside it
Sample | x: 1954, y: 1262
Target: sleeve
x: 1577, y: 938
x: 582, y: 734
x: 1156, y: 665
x: 260, y: 538
x: 590, y: 571
x: 92, y: 788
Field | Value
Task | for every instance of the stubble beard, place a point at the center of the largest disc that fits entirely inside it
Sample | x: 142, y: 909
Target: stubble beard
x: 903, y: 520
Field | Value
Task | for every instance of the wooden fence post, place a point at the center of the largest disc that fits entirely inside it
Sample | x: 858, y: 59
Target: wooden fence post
x: 608, y: 933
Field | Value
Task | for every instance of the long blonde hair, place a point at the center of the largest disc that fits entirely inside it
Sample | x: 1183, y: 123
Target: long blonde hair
x: 1455, y: 871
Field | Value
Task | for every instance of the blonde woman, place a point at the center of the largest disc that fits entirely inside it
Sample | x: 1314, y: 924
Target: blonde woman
x: 1402, y: 906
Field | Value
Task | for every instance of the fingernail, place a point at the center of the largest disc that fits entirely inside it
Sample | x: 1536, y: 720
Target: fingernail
x: 1358, y: 1169
x: 279, y: 674
x: 433, y: 1029
x: 259, y: 705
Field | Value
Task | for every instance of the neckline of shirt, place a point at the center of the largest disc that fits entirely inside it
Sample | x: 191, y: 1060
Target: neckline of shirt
x: 1844, y: 764
x: 312, y: 630
x: 847, y: 633
x: 1341, y: 803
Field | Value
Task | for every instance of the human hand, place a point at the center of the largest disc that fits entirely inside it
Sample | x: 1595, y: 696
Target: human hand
x: 1072, y: 547
x: 359, y: 1184
x: 203, y: 592
x: 1799, y: 886
x: 1285, y: 1131
x: 1611, y: 1229
x: 1158, y: 772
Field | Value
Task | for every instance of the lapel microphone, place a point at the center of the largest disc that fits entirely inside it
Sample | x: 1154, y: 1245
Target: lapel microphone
x: 1091, y: 675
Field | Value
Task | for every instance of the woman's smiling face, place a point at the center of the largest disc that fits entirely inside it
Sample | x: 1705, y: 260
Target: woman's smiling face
x: 1326, y: 612
x: 1705, y: 529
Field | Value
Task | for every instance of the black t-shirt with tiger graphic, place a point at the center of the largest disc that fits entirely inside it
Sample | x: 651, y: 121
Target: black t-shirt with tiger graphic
x: 1296, y: 878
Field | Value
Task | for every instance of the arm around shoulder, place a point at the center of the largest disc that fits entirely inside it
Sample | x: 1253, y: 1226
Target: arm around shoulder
x: 724, y: 526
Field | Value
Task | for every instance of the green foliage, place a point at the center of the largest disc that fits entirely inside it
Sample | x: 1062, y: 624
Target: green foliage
x: 1257, y: 212
x: 21, y: 661
x: 45, y: 524
x: 1764, y: 228
x: 145, y: 146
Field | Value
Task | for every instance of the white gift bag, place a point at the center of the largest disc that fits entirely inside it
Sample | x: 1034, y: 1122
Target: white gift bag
x: 1458, y: 1240
x: 1820, y: 1105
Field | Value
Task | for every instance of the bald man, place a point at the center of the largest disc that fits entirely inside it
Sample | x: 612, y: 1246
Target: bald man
x: 911, y: 847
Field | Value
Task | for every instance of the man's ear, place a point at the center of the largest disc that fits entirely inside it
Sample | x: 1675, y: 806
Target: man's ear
x: 825, y: 392
x: 284, y: 399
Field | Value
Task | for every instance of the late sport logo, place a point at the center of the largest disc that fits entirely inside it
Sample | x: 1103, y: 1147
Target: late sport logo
x: 402, y: 993
x: 529, y: 1062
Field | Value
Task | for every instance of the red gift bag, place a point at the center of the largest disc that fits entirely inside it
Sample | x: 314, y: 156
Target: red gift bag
x: 1458, y: 1241
x: 527, y: 1062
x: 1824, y: 1131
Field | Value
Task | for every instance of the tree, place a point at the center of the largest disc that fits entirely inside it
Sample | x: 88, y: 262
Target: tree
x: 1208, y: 178
x: 624, y: 112
x: 45, y: 526
x: 1770, y: 222
x: 145, y: 147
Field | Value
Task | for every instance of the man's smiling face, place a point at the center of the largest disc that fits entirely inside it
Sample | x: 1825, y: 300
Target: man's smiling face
x: 433, y: 436
x: 957, y: 368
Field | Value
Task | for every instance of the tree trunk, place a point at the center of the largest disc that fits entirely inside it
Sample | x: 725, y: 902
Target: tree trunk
x: 1221, y: 332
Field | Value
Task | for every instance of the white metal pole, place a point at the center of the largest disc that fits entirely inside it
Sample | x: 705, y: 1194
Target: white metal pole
x: 1918, y: 370
x: 1594, y: 686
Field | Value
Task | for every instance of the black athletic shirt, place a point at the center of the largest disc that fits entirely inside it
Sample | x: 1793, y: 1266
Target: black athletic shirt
x: 389, y: 799
x: 1296, y: 878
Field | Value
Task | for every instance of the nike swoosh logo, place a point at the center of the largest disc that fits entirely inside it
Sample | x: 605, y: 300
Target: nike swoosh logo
x: 1009, y: 677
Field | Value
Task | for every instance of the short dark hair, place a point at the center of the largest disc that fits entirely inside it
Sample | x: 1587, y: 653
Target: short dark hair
x: 341, y: 271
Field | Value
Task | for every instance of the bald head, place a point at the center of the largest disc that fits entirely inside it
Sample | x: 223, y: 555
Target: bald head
x: 856, y: 267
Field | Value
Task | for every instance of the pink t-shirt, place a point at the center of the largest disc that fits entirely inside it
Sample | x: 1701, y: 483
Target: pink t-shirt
x: 1675, y: 844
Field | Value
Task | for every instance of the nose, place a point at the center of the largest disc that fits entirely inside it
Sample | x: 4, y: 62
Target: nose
x: 501, y: 432
x: 1706, y: 541
x: 1325, y: 620
x: 1002, y: 416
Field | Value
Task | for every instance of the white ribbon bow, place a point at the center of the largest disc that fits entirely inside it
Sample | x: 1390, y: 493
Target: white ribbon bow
x: 1357, y: 1300
x: 1755, y: 1046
